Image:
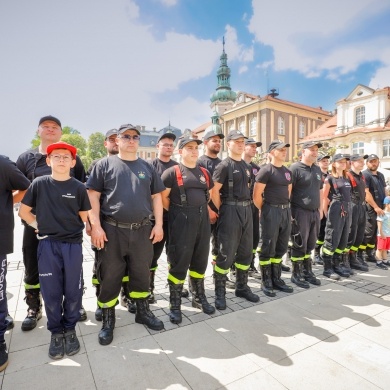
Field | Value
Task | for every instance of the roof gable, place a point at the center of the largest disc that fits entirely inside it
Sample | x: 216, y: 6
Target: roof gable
x: 360, y: 91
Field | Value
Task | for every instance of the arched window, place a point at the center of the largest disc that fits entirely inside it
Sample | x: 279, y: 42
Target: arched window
x: 360, y: 115
x: 302, y: 130
x: 253, y: 127
x: 280, y: 126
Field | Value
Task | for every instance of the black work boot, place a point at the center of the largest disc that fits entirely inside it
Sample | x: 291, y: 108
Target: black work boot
x: 72, y: 344
x: 296, y: 276
x: 266, y: 280
x: 338, y: 266
x: 146, y: 317
x: 151, y: 298
x: 328, y: 268
x: 106, y: 334
x: 9, y: 321
x: 220, y: 291
x: 175, y: 302
x: 57, y: 346
x: 370, y: 255
x: 98, y: 311
x: 126, y: 301
x: 357, y: 262
x: 285, y: 268
x: 199, y: 299
x: 242, y: 288
x: 34, y: 311
x: 317, y: 255
x: 3, y: 356
x: 277, y: 281
x: 308, y: 272
x: 346, y: 264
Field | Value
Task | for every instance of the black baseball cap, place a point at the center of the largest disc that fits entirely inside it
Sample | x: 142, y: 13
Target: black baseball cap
x: 251, y: 141
x: 372, y: 157
x: 50, y: 118
x: 277, y: 144
x: 186, y: 140
x: 111, y: 132
x: 321, y: 157
x: 212, y: 133
x: 309, y: 144
x: 355, y: 157
x: 167, y: 135
x: 128, y: 126
x: 340, y: 156
x: 235, y: 134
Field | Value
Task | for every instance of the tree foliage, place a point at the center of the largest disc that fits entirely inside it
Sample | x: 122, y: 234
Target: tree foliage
x: 95, y: 146
x: 76, y: 140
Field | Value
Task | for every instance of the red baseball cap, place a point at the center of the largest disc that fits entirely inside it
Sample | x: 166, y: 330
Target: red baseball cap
x: 62, y: 145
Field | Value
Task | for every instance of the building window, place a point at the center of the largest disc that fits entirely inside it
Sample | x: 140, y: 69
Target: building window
x: 386, y: 148
x: 241, y: 127
x: 280, y: 126
x: 360, y: 116
x: 253, y: 129
x: 302, y: 130
x: 358, y: 148
x: 231, y: 126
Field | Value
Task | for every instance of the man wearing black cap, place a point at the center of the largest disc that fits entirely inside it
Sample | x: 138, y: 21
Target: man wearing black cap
x: 124, y: 191
x: 231, y: 196
x: 323, y: 163
x: 375, y: 194
x: 186, y: 197
x: 272, y: 196
x: 249, y: 153
x: 358, y: 224
x: 306, y: 209
x: 32, y: 164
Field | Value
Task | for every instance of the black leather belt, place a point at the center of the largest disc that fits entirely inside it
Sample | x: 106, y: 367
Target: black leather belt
x: 131, y: 226
x: 281, y: 206
x: 238, y: 203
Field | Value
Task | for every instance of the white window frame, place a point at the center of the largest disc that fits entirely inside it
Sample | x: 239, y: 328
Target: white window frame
x: 360, y: 115
x: 281, y: 126
x: 253, y: 127
x: 386, y: 148
x: 302, y: 130
x: 357, y: 148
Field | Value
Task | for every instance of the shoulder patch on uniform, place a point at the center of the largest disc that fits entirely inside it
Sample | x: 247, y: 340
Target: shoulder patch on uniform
x: 141, y: 174
x: 288, y: 176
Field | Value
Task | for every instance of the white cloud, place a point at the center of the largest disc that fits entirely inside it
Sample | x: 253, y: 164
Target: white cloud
x: 243, y: 69
x: 318, y: 40
x: 235, y: 50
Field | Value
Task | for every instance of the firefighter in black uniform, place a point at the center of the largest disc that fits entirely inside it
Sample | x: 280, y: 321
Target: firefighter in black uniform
x: 231, y: 195
x: 375, y: 194
x: 358, y: 215
x: 272, y: 196
x: 186, y: 197
x: 306, y: 210
x: 323, y: 163
x: 32, y: 164
x: 249, y: 152
x: 130, y: 189
x: 338, y: 212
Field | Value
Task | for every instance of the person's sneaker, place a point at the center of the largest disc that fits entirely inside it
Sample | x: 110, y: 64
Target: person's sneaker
x: 57, y: 346
x: 83, y: 314
x: 72, y: 344
x: 381, y: 265
x: 3, y: 356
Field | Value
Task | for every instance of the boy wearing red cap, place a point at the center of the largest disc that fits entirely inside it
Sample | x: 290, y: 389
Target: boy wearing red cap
x: 61, y: 204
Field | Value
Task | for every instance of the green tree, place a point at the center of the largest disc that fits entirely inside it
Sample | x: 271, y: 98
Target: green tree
x: 69, y: 130
x: 95, y: 146
x: 76, y: 140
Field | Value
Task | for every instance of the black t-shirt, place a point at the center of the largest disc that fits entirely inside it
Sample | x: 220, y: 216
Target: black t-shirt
x: 10, y: 179
x: 195, y: 185
x: 57, y: 205
x: 126, y: 188
x: 360, y: 186
x: 241, y: 179
x: 209, y: 163
x: 376, y: 185
x: 33, y: 164
x: 161, y: 166
x: 277, y: 180
x: 307, y: 183
x: 339, y: 187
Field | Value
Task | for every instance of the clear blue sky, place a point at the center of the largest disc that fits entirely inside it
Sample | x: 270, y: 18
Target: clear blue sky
x: 96, y: 64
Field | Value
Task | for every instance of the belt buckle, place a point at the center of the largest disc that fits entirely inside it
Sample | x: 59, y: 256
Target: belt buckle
x: 135, y: 226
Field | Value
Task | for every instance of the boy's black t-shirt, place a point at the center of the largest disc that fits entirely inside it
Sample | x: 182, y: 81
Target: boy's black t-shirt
x: 195, y: 185
x: 57, y: 205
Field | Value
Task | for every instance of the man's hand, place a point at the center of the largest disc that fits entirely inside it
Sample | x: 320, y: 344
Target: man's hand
x: 379, y: 211
x: 157, y: 234
x: 98, y: 237
x: 213, y: 216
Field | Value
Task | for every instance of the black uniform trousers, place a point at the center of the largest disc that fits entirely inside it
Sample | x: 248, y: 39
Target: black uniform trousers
x: 235, y: 237
x: 276, y: 229
x: 371, y: 229
x: 321, y: 234
x: 214, y: 240
x: 358, y: 225
x: 3, y: 296
x: 337, y: 227
x: 189, y: 242
x: 30, y: 258
x: 256, y: 230
x: 124, y: 247
x: 308, y: 222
